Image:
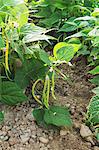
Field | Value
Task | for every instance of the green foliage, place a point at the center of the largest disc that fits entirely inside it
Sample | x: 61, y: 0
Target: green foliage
x: 32, y: 69
x: 68, y: 27
x: 86, y: 28
x: 95, y: 80
x: 64, y: 51
x: 96, y: 91
x: 93, y: 107
x: 22, y: 50
x: 38, y: 115
x: 16, y: 11
x: 95, y: 71
x: 58, y: 116
x: 93, y: 110
x: 11, y: 94
x: 34, y: 33
x: 55, y: 115
x: 58, y: 11
x: 12, y: 2
x: 1, y: 116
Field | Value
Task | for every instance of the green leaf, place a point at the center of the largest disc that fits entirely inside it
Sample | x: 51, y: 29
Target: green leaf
x: 95, y: 12
x: 54, y: 18
x: 31, y: 28
x: 96, y: 41
x: 85, y: 18
x: 60, y: 4
x: 11, y: 94
x: 17, y: 48
x: 83, y: 51
x: 2, y: 44
x: 34, y: 48
x: 93, y: 110
x: 31, y: 69
x: 79, y: 34
x: 83, y: 24
x: 94, y: 71
x: 95, y: 80
x: 96, y: 91
x: 94, y: 32
x: 39, y: 115
x: 13, y: 35
x: 68, y: 27
x: 34, y: 33
x: 44, y: 57
x: 1, y: 116
x: 12, y: 2
x: 65, y: 51
x: 58, y: 116
x: 74, y: 41
x: 97, y: 134
x: 34, y: 37
x: 21, y: 14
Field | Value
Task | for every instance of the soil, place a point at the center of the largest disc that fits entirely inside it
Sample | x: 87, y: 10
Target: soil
x: 20, y: 131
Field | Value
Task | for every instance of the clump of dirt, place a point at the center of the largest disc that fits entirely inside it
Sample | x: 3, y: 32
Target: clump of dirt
x: 20, y: 131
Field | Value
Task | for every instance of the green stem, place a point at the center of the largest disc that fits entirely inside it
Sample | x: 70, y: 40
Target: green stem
x: 63, y: 75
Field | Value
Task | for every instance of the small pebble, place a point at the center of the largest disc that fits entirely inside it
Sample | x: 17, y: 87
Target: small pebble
x: 13, y: 141
x: 63, y: 132
x: 25, y: 138
x: 96, y: 148
x: 85, y: 131
x: 43, y: 140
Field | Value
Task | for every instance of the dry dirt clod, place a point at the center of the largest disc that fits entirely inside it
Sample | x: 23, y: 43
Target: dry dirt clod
x: 96, y: 148
x: 85, y: 131
x: 25, y: 137
x: 63, y: 132
x: 43, y: 140
x: 13, y: 141
x: 76, y: 125
x: 89, y: 139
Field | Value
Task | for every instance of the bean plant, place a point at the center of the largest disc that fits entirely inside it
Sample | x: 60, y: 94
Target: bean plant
x: 21, y: 56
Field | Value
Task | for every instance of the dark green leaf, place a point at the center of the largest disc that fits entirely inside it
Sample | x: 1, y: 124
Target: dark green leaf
x: 44, y: 57
x: 54, y: 18
x: 68, y: 27
x: 58, y: 116
x: 2, y: 44
x: 95, y: 71
x: 11, y: 94
x: 95, y: 80
x: 1, y: 116
x: 12, y: 2
x: 93, y: 110
x: 31, y: 69
x: 39, y: 115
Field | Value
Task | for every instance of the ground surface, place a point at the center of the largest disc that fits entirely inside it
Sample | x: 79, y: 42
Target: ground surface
x: 20, y: 132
